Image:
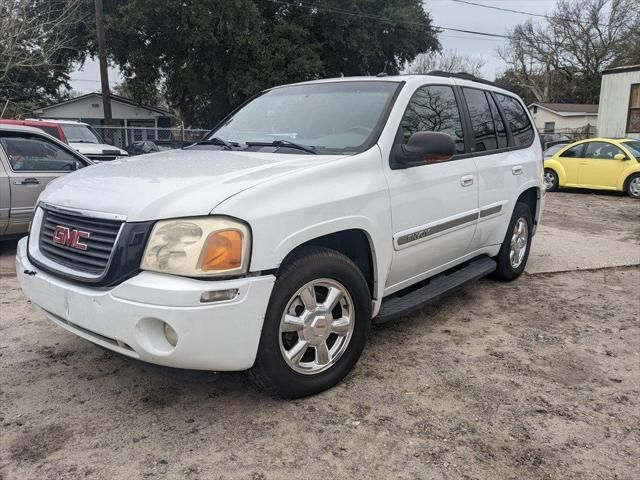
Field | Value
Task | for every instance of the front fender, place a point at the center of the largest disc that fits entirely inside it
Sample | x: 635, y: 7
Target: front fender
x: 557, y: 167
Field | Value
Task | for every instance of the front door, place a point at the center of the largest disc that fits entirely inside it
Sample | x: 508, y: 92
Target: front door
x: 599, y: 167
x: 433, y: 207
x: 31, y: 161
x: 570, y: 160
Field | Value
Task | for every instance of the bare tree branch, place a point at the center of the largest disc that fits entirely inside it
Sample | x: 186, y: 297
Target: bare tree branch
x: 447, y: 61
x: 581, y: 39
x: 34, y: 33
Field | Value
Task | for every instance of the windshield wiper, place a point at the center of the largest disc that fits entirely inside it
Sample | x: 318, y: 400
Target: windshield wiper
x: 81, y: 141
x: 284, y: 143
x: 218, y: 141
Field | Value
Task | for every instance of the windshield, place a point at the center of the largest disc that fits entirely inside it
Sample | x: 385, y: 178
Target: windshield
x: 634, y: 146
x: 80, y: 134
x: 335, y: 117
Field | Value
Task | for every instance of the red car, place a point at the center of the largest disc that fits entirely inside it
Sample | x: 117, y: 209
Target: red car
x: 52, y: 128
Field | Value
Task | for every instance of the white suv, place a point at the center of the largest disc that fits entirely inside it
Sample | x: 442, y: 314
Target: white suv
x: 312, y: 211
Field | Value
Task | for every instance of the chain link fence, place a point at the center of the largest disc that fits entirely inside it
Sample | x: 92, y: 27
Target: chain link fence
x: 566, y: 135
x: 123, y: 137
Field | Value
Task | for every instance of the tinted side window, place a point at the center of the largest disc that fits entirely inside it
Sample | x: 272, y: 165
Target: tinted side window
x: 53, y: 131
x: 433, y: 109
x: 518, y: 120
x: 484, y: 131
x: 501, y: 131
x: 602, y: 150
x: 573, y: 152
x: 34, y: 154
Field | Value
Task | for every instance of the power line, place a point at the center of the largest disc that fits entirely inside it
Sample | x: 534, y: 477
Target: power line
x: 502, y: 9
x: 313, y: 6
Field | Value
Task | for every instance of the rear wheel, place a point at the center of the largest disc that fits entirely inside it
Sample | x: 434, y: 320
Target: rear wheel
x: 551, y: 181
x: 633, y: 186
x: 316, y: 324
x: 514, y: 252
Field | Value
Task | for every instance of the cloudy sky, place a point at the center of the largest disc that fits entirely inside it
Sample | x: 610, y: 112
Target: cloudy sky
x: 446, y: 13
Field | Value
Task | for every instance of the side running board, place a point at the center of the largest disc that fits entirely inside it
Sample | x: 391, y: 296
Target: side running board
x: 406, y: 301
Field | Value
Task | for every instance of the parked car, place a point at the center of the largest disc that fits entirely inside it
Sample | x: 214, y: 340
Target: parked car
x: 551, y: 151
x: 152, y: 146
x: 87, y: 141
x: 598, y: 163
x: 52, y: 128
x: 29, y: 160
x: 551, y: 139
x: 273, y: 243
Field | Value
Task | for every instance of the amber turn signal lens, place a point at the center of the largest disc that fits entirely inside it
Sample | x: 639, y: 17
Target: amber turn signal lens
x: 222, y: 251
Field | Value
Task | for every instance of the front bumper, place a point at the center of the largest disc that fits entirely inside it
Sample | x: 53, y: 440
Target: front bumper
x: 128, y: 318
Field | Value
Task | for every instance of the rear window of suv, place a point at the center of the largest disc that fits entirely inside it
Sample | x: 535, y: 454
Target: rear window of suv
x: 518, y: 120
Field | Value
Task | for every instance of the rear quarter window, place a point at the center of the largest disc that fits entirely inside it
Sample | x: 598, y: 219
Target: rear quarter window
x: 518, y: 120
x: 53, y: 131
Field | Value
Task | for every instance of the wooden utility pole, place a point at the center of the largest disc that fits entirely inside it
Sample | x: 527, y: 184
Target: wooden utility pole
x: 102, y: 57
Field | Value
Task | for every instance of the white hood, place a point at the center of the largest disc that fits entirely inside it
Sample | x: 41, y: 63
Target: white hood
x: 96, y: 148
x: 171, y: 184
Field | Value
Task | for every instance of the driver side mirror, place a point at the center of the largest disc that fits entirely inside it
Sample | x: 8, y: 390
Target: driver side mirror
x: 423, y: 148
x: 620, y: 156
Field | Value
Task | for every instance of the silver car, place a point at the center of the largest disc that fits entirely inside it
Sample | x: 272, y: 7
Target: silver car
x: 29, y: 159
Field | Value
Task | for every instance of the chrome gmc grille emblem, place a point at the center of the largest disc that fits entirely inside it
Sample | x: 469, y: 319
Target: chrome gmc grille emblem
x: 70, y: 237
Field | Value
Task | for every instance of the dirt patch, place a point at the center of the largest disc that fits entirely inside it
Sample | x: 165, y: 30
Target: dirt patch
x: 536, y: 379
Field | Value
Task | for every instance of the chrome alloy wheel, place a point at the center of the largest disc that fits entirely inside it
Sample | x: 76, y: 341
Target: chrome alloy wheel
x: 634, y: 187
x: 519, y: 239
x: 316, y: 326
x: 549, y: 180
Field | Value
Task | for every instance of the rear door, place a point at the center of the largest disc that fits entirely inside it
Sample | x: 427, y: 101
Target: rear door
x: 599, y: 167
x: 504, y: 158
x: 31, y: 162
x: 433, y: 206
x: 488, y: 139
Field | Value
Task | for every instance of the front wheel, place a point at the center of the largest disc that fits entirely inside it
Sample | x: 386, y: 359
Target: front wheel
x: 316, y: 324
x: 633, y: 186
x: 515, y: 248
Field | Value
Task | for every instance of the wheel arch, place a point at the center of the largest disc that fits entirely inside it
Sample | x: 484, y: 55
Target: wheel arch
x: 625, y: 178
x: 557, y: 167
x: 354, y: 243
x: 533, y: 198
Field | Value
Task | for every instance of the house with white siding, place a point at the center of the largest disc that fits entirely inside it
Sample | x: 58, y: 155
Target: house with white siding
x: 565, y: 117
x: 619, y: 112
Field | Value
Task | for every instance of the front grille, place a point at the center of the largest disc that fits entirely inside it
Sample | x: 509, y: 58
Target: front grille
x: 100, y: 241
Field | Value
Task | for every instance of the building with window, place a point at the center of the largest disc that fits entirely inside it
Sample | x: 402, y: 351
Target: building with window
x: 565, y: 117
x: 619, y: 113
x: 131, y: 121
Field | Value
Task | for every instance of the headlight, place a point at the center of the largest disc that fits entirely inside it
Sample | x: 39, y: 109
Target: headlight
x: 198, y: 247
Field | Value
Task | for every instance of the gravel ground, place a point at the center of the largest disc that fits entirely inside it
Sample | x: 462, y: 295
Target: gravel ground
x: 535, y: 379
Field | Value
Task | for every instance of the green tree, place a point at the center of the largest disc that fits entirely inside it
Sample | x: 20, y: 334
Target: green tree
x: 208, y: 56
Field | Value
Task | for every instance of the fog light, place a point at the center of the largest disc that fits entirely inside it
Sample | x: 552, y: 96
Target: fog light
x: 170, y: 334
x: 219, y: 295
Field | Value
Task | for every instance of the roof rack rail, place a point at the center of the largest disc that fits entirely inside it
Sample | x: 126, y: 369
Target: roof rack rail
x: 462, y: 76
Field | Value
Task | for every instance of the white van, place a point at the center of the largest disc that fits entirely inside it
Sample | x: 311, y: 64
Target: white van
x: 312, y: 211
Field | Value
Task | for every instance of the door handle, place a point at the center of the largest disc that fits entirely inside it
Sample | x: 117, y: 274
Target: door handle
x: 27, y: 181
x: 517, y: 170
x: 466, y: 180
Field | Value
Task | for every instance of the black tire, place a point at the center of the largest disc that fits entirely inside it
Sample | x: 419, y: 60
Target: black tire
x: 629, y: 186
x: 505, y: 271
x: 270, y: 371
x: 550, y: 173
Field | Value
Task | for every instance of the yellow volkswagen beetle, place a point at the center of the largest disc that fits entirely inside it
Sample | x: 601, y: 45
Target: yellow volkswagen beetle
x: 599, y: 163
